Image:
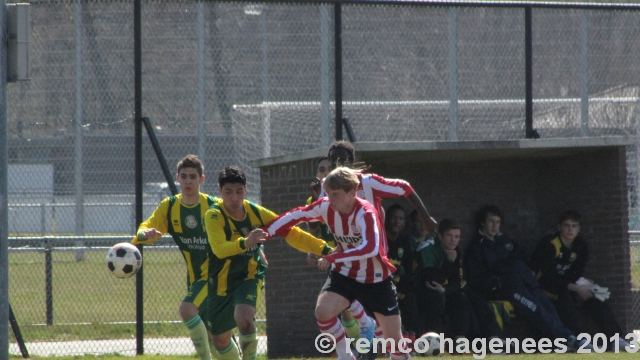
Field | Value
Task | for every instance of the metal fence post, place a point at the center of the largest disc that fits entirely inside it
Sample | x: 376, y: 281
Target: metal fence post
x: 79, y: 209
x: 584, y: 74
x: 43, y: 219
x: 453, y: 74
x: 4, y: 188
x: 528, y: 60
x: 201, y: 97
x: 137, y: 50
x: 337, y: 28
x: 324, y: 76
x: 48, y: 270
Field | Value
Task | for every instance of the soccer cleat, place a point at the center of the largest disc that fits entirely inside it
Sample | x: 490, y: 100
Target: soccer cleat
x: 622, y: 345
x: 351, y: 358
x: 366, y: 332
x: 499, y: 346
x: 573, y: 344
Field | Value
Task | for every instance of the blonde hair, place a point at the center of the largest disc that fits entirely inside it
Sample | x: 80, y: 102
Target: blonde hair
x: 341, y: 178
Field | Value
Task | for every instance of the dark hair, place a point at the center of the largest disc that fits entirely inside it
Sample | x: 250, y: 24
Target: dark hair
x: 191, y: 161
x: 447, y: 224
x: 414, y: 215
x: 391, y: 210
x: 569, y: 215
x: 481, y: 215
x: 232, y: 175
x: 342, y: 145
x: 321, y: 159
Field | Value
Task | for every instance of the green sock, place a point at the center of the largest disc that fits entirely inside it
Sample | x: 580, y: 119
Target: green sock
x: 249, y: 345
x: 351, y: 328
x: 229, y: 353
x: 199, y: 337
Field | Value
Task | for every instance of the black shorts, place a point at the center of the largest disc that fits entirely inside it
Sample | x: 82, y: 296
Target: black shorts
x: 378, y: 297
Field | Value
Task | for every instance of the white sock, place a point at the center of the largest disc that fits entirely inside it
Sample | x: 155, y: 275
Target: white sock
x: 334, y: 327
x: 357, y: 311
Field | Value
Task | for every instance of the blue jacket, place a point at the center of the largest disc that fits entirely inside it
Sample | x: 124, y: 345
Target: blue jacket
x: 496, y: 266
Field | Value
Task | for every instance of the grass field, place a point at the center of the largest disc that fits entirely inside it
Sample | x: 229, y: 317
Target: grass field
x: 90, y: 303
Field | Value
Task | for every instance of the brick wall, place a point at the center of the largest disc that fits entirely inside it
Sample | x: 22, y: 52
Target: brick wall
x: 292, y: 285
x: 531, y: 190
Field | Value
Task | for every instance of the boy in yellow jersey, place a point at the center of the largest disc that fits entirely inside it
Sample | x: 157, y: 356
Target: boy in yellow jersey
x: 181, y: 216
x: 237, y: 269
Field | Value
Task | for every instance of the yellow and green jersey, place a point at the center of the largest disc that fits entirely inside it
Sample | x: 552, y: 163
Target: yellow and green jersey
x: 186, y: 226
x: 231, y: 261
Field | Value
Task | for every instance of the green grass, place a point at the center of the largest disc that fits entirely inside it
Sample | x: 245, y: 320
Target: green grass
x: 121, y: 357
x: 87, y: 299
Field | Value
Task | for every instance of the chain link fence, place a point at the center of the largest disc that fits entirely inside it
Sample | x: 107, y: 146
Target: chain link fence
x: 233, y: 82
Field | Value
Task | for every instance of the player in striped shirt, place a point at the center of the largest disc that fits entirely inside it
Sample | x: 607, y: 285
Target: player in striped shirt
x: 374, y: 188
x: 181, y: 216
x: 321, y: 230
x: 360, y: 268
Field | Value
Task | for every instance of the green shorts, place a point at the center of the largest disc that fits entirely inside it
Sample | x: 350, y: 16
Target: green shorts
x: 222, y: 308
x: 197, y: 295
x: 197, y: 292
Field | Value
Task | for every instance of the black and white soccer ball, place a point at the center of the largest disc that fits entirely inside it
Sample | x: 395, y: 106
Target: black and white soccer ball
x: 428, y: 344
x: 124, y: 260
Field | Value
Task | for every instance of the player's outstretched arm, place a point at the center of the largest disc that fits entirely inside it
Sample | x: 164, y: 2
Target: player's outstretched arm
x: 214, y: 223
x: 284, y: 225
x: 146, y: 236
x: 152, y: 229
x: 307, y: 243
x: 428, y: 222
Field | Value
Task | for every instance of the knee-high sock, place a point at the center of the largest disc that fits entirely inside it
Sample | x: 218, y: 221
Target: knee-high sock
x: 229, y: 353
x: 335, y: 328
x: 399, y: 355
x: 378, y: 332
x: 214, y: 352
x: 249, y: 345
x: 352, y: 328
x: 357, y: 311
x: 199, y: 336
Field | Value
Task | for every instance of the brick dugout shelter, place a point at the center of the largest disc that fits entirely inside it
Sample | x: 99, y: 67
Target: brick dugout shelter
x: 531, y: 180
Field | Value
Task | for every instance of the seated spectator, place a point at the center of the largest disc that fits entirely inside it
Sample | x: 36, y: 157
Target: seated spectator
x: 495, y: 269
x: 401, y: 248
x: 440, y: 291
x: 559, y: 261
x: 416, y: 228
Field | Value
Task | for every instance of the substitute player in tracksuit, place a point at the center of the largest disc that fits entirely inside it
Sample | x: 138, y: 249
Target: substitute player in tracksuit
x: 401, y: 253
x: 495, y: 270
x: 439, y: 288
x: 559, y: 261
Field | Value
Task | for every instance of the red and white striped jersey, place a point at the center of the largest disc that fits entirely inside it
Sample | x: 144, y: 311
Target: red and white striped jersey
x: 374, y: 188
x: 360, y: 254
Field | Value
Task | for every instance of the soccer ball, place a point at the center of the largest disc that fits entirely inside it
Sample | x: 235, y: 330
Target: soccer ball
x: 124, y: 260
x: 428, y: 344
